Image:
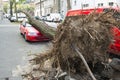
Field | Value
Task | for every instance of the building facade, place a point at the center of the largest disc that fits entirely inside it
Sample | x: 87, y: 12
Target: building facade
x: 84, y: 4
x: 56, y: 6
x: 63, y: 7
x: 60, y: 6
x: 44, y: 7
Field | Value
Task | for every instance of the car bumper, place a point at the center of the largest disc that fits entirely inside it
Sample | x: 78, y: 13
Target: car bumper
x: 37, y: 38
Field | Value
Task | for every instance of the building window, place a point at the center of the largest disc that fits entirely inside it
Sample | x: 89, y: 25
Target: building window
x: 100, y: 4
x: 85, y: 5
x: 111, y: 3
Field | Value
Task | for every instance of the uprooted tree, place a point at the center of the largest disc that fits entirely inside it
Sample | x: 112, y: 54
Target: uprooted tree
x: 87, y: 35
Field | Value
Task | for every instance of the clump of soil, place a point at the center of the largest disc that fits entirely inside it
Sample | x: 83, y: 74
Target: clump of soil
x: 91, y: 35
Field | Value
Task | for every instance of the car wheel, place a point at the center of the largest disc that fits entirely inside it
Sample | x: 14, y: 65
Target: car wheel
x: 25, y: 37
x: 21, y: 33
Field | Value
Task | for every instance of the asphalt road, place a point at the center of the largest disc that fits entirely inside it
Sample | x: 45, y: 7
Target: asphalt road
x: 14, y: 49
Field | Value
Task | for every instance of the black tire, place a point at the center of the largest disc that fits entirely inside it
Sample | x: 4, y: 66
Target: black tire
x: 21, y: 33
x: 25, y: 38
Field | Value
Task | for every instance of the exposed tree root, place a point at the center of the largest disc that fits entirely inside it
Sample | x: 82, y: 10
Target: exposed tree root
x: 91, y: 35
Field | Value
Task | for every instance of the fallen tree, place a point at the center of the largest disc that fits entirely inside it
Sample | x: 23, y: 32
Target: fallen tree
x: 87, y: 35
x: 41, y: 26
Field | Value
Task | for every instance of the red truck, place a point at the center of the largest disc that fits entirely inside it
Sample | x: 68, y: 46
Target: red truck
x: 114, y: 48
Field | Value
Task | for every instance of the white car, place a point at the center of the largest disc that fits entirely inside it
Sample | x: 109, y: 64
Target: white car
x: 20, y: 17
x: 6, y: 15
x: 13, y: 18
x: 52, y: 24
x: 54, y: 17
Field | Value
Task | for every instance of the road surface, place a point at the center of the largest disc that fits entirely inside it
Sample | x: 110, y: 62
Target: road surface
x: 14, y: 49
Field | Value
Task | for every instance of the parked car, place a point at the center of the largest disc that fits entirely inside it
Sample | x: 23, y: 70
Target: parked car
x: 113, y: 48
x: 43, y: 18
x: 20, y: 16
x: 6, y: 15
x: 13, y: 18
x: 30, y: 33
x: 54, y: 17
x: 52, y: 24
x: 37, y: 17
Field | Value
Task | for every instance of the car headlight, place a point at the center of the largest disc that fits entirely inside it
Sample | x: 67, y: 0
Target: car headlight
x: 32, y: 34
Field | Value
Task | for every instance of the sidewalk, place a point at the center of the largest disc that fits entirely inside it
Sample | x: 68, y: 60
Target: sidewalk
x: 6, y: 22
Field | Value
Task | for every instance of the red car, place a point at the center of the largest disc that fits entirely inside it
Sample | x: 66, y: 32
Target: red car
x: 114, y: 47
x: 30, y: 33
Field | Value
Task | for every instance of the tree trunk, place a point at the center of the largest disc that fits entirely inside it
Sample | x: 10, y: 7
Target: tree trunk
x: 45, y: 29
x: 16, y: 9
x: 11, y: 5
x: 68, y: 5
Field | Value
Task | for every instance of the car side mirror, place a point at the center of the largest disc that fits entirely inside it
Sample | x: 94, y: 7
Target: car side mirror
x: 23, y: 25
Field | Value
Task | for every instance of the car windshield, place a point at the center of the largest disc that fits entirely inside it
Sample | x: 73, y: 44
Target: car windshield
x: 28, y: 25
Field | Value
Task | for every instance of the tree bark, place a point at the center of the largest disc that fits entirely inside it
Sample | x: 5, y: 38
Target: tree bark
x: 11, y: 5
x: 16, y: 10
x: 41, y: 26
x: 68, y: 5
